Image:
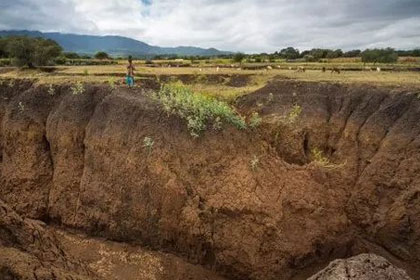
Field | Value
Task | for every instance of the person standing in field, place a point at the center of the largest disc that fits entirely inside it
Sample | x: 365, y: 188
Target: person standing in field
x: 130, y: 72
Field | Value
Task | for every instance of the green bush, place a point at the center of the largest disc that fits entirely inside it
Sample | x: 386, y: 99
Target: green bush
x: 255, y: 120
x: 197, y: 109
x: 387, y: 55
x: 77, y: 88
x: 238, y: 57
x: 101, y: 55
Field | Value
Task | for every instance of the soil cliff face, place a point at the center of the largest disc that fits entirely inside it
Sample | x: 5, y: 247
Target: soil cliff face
x: 79, y: 161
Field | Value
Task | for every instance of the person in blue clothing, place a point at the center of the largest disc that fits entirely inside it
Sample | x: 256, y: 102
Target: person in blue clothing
x: 130, y: 72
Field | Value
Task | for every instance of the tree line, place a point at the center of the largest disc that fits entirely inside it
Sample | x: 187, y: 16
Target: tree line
x: 384, y: 55
x: 32, y: 52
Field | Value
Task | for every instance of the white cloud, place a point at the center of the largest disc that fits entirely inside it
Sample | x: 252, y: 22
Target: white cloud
x: 239, y: 25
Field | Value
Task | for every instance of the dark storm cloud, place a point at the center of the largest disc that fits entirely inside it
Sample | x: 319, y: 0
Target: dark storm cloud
x: 245, y: 25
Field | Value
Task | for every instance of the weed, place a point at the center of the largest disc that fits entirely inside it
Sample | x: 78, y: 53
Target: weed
x: 270, y: 98
x: 196, y: 108
x: 77, y: 88
x: 85, y: 72
x: 255, y: 120
x: 293, y: 114
x: 51, y: 90
x: 217, y: 124
x: 321, y: 160
x: 21, y: 107
x: 111, y: 83
x: 148, y: 143
x: 254, y: 163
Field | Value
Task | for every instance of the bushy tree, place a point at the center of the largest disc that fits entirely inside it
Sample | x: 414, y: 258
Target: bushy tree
x: 289, y: 53
x: 101, y: 55
x: 32, y: 52
x: 387, y: 55
x: 352, y: 53
x: 238, y: 57
x: 46, y: 51
x: 319, y: 53
x: 3, y: 45
x: 334, y: 54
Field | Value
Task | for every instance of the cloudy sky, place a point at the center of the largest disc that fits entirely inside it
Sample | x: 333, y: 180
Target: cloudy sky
x: 236, y: 25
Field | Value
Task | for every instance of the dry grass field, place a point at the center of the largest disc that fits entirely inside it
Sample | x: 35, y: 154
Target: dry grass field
x: 217, y: 81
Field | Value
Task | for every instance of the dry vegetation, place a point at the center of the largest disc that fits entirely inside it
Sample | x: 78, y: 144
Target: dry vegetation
x: 202, y: 73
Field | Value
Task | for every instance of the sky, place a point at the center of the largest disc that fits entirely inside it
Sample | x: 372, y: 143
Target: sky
x: 236, y: 25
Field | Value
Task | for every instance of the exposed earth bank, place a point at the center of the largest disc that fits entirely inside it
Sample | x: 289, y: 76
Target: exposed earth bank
x: 275, y: 202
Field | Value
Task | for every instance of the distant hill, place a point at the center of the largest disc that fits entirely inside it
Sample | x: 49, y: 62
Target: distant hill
x: 114, y: 45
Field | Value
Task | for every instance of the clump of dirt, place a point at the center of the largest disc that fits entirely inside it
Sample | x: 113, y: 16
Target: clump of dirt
x: 251, y: 204
x: 362, y: 267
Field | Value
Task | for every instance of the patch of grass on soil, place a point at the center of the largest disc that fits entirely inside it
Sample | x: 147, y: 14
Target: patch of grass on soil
x: 197, y: 109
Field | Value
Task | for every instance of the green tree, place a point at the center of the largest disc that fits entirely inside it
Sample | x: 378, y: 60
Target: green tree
x: 46, y: 51
x: 3, y: 45
x: 32, y: 52
x: 21, y: 49
x: 318, y: 54
x: 352, y: 53
x: 387, y: 55
x: 334, y: 54
x: 289, y: 53
x: 101, y: 55
x: 238, y: 57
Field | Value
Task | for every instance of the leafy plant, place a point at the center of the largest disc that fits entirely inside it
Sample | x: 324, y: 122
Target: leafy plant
x: 287, y: 121
x: 294, y: 114
x: 197, y: 109
x: 270, y: 97
x: 255, y: 120
x: 77, y: 88
x: 51, y: 90
x: 21, y: 107
x: 254, y: 163
x: 321, y: 160
x: 85, y: 72
x: 148, y: 143
x: 111, y: 83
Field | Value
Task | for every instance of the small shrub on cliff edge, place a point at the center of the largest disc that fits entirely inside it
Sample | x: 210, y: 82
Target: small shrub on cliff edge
x: 254, y: 163
x: 197, y: 109
x: 148, y: 143
x: 77, y: 88
x: 21, y: 107
x: 111, y: 83
x: 321, y: 160
x: 294, y: 114
x: 51, y: 90
x: 255, y: 120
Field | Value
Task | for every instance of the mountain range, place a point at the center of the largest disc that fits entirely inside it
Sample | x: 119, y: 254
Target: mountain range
x: 113, y: 45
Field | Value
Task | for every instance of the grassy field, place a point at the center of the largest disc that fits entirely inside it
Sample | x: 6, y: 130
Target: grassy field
x: 199, y: 77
